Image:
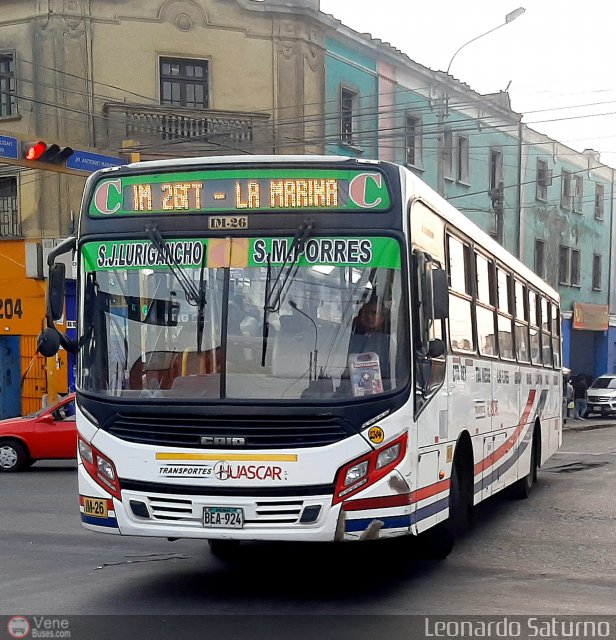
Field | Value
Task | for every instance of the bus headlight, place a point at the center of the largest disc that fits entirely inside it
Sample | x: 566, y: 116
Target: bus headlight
x: 355, y: 473
x: 387, y: 456
x: 362, y: 472
x: 85, y: 452
x: 99, y: 468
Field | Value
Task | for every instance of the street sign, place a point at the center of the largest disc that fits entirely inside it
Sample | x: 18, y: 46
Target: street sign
x: 9, y: 147
x: 88, y: 161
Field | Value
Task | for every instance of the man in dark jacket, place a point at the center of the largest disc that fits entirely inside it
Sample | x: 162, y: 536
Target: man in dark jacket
x: 579, y: 397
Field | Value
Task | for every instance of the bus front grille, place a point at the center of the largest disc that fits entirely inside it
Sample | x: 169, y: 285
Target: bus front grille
x: 229, y: 432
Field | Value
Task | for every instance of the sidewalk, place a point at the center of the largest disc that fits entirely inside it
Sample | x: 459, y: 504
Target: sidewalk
x: 594, y: 422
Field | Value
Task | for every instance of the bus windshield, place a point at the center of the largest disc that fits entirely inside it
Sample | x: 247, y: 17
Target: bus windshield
x: 199, y: 321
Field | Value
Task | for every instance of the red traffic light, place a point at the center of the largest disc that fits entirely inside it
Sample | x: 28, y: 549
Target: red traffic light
x: 43, y: 152
x: 34, y: 150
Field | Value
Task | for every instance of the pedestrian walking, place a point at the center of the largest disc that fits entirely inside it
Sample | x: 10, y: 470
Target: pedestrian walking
x: 579, y: 397
x: 569, y: 397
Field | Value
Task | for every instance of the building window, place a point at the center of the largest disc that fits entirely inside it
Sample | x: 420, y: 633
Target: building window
x: 448, y: 153
x: 563, y: 265
x: 496, y: 168
x: 463, y: 159
x: 10, y: 222
x: 544, y: 179
x: 567, y: 192
x: 540, y: 258
x: 578, y: 195
x: 8, y: 99
x: 599, y: 200
x: 575, y: 268
x: 413, y: 141
x: 184, y: 83
x: 348, y: 100
x: 596, y: 272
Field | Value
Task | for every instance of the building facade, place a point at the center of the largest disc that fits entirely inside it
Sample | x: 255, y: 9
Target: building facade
x: 546, y: 203
x: 170, y: 78
x: 161, y: 78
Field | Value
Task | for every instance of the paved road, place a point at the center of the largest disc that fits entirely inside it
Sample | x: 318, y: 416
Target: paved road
x: 552, y: 554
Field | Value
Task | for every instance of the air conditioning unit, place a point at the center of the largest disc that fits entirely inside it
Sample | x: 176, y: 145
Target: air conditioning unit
x: 36, y: 259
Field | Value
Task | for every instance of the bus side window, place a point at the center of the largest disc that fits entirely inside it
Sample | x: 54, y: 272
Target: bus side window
x: 460, y: 300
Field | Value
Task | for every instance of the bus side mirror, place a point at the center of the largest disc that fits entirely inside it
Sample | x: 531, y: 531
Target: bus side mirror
x: 440, y: 294
x: 56, y: 291
x: 48, y: 342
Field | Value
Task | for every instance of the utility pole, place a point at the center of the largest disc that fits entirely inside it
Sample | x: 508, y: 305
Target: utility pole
x: 498, y: 204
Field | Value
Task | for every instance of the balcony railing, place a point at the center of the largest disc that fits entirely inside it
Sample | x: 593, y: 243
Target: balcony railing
x: 173, y: 131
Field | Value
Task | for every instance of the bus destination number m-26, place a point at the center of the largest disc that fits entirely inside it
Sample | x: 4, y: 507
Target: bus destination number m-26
x: 223, y: 517
x: 95, y: 507
x: 228, y: 222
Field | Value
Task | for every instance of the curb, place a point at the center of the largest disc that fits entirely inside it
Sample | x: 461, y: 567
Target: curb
x: 589, y: 427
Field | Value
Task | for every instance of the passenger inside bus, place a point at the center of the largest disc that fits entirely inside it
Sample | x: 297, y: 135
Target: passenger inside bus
x: 370, y: 334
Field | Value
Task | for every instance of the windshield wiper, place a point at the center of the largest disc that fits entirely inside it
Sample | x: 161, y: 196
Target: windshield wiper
x: 194, y: 296
x: 274, y: 294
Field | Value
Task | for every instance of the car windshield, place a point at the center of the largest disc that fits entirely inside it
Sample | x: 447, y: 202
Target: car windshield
x: 604, y: 383
x: 330, y: 325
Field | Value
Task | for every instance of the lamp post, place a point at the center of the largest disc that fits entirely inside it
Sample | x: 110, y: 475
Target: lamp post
x: 442, y: 115
x: 510, y: 17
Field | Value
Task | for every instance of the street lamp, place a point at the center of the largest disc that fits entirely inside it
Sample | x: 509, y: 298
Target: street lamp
x: 510, y: 17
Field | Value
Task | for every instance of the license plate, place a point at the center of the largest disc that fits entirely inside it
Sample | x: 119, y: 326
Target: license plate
x: 223, y: 517
x: 95, y: 507
x: 597, y: 408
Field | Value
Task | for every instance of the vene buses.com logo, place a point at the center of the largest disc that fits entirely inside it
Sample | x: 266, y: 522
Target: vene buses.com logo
x: 18, y: 627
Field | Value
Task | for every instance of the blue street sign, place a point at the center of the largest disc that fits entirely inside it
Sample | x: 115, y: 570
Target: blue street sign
x: 8, y: 147
x: 87, y: 161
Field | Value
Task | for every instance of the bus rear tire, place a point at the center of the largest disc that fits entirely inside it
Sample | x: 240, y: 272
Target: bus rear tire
x: 224, y: 549
x: 523, y: 487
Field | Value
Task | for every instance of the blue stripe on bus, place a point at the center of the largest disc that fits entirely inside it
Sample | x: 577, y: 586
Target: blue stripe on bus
x: 430, y: 510
x: 100, y: 522
x: 397, y: 522
x: 391, y: 522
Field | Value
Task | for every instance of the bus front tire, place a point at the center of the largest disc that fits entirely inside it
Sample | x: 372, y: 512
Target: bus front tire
x: 438, y: 542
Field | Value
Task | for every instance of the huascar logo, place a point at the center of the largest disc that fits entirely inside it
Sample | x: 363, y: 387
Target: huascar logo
x: 226, y: 471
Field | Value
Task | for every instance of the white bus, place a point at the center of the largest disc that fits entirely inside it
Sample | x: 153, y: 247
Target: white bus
x: 299, y: 348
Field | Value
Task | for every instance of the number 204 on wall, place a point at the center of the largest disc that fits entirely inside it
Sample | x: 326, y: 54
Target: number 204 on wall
x: 10, y: 308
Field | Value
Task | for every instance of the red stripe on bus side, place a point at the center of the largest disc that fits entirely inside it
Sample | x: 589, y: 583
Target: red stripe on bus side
x: 381, y: 502
x: 430, y: 490
x: 482, y: 465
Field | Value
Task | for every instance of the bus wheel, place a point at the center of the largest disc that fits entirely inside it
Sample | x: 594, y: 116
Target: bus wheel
x: 438, y: 542
x: 13, y: 456
x: 524, y: 486
x: 224, y: 549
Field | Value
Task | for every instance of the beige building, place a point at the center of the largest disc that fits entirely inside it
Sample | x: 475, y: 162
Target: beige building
x: 164, y: 78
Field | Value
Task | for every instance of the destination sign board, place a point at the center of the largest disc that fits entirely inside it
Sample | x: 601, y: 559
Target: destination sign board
x: 240, y: 191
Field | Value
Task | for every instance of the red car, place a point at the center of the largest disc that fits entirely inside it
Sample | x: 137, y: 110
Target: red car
x: 47, y: 434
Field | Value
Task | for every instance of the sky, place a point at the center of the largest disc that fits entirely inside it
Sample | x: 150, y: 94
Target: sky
x: 556, y: 59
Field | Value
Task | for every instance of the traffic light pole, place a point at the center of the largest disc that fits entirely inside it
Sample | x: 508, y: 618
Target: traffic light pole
x: 43, y: 166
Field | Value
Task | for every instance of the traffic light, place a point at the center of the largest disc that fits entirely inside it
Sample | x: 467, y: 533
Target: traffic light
x: 42, y: 152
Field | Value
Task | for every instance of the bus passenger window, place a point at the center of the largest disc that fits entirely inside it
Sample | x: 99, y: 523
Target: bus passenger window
x: 460, y: 302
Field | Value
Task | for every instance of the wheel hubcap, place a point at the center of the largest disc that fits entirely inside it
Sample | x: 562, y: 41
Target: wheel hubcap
x: 8, y: 457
